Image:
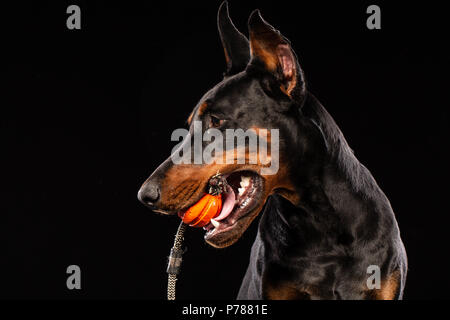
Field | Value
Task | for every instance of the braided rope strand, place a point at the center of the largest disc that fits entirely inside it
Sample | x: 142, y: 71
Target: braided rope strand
x: 175, y: 259
x: 171, y: 284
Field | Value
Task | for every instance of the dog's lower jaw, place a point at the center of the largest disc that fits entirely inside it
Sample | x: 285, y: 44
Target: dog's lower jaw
x: 230, y: 237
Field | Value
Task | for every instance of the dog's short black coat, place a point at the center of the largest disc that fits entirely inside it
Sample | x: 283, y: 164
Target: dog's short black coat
x: 322, y: 248
x: 325, y: 221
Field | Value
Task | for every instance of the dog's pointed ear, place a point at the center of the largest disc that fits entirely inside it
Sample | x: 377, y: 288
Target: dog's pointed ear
x: 274, y: 52
x: 235, y: 44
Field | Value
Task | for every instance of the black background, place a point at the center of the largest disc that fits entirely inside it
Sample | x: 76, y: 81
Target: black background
x: 86, y: 116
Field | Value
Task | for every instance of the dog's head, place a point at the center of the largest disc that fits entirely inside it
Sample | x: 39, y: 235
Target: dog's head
x: 263, y: 89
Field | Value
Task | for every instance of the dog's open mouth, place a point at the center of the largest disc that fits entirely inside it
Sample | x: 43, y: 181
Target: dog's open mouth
x: 241, y: 195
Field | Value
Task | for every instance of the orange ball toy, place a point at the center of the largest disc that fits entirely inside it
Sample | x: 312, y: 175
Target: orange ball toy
x: 201, y: 213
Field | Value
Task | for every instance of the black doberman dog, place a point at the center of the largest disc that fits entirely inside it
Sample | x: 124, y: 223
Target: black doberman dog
x: 325, y: 220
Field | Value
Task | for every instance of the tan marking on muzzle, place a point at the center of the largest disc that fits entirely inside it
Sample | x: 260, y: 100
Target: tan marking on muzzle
x: 185, y: 184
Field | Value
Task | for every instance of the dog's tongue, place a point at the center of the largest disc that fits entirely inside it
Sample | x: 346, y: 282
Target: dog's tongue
x: 229, y: 200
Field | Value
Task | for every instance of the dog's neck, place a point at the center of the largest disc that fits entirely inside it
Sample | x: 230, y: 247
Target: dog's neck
x: 335, y: 192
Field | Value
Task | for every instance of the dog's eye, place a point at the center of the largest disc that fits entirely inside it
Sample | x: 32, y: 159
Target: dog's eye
x: 215, y: 122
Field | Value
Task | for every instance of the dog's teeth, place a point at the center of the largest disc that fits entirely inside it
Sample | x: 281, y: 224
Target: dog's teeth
x: 215, y: 223
x: 245, y: 181
x: 246, y: 201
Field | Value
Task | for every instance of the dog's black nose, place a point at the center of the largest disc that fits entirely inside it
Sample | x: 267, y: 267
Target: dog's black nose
x: 149, y: 194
